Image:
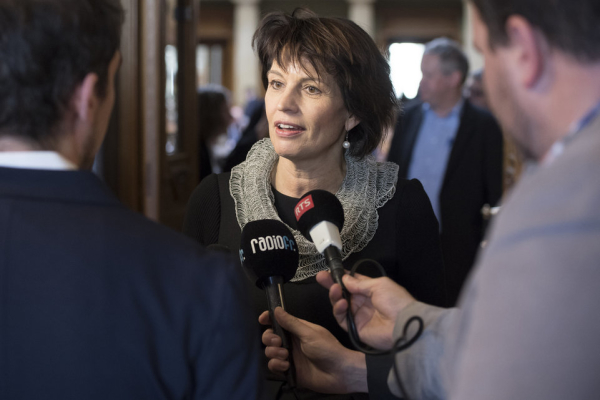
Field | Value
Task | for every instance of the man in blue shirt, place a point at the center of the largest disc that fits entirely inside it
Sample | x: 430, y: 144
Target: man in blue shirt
x: 432, y: 150
x: 455, y: 150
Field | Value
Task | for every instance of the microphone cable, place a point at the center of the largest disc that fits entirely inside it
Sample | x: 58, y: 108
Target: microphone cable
x: 401, y: 344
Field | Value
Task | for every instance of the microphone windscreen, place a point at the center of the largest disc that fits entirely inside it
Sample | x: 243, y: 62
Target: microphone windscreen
x: 317, y: 206
x: 267, y: 249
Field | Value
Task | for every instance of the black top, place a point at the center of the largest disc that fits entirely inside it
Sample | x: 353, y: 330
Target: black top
x: 285, y: 208
x: 406, y: 244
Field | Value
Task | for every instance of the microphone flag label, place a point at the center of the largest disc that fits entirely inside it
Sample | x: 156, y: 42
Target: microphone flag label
x: 303, y: 206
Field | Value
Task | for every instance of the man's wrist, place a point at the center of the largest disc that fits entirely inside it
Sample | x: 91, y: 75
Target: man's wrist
x: 354, y: 372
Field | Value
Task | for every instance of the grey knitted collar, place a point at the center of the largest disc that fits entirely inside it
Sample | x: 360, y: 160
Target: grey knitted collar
x: 368, y: 185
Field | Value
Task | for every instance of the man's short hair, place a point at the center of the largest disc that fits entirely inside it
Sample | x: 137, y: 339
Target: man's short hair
x: 452, y: 58
x: 47, y: 47
x: 573, y: 26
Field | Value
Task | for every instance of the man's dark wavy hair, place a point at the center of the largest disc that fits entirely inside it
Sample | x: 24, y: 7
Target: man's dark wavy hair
x: 341, y: 48
x: 572, y: 26
x: 47, y: 47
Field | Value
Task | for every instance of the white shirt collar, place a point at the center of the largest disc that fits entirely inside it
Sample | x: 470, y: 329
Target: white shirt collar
x: 47, y: 160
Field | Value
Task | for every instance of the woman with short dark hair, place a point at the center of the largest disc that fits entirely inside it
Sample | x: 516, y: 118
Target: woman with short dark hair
x: 328, y: 101
x: 214, y: 119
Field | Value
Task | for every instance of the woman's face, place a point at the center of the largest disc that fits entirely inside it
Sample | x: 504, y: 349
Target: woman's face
x: 307, y: 117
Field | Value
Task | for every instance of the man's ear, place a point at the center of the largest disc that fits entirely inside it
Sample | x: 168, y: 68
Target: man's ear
x: 528, y: 48
x: 455, y: 79
x: 86, y: 99
x: 351, y: 122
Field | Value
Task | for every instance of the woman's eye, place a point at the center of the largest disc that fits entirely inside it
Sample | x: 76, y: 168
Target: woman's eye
x: 312, y: 90
x: 276, y: 84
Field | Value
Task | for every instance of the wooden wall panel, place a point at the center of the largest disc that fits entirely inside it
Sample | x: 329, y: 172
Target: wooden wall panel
x: 419, y: 23
x: 152, y: 103
x: 120, y: 156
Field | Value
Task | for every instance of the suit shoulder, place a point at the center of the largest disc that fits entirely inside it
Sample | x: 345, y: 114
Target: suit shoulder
x: 480, y: 113
x: 208, y: 188
x: 152, y: 229
x: 410, y: 190
x: 208, y: 184
x: 411, y: 109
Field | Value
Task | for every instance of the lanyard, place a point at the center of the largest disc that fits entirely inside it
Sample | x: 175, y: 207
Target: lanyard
x: 559, y: 147
x: 586, y: 120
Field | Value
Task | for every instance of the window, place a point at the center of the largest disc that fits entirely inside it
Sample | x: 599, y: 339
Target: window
x: 209, y: 64
x: 405, y: 65
x: 172, y: 119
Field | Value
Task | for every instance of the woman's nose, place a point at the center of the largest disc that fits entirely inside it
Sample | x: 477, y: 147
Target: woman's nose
x: 288, y: 101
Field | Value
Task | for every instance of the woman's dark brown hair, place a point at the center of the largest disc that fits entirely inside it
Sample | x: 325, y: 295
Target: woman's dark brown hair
x: 338, y: 47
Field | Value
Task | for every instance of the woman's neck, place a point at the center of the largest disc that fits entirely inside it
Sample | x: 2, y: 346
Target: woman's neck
x: 294, y: 180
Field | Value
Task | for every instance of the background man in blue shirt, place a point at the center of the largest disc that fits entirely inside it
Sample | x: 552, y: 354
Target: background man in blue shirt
x: 455, y: 150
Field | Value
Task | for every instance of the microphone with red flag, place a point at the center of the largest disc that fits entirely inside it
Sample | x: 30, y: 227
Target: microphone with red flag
x: 320, y: 217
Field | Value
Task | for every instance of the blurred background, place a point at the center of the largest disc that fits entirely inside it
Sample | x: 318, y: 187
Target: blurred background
x: 158, y: 147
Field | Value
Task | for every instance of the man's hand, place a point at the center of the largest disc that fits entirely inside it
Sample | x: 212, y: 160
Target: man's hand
x: 376, y: 303
x: 322, y: 363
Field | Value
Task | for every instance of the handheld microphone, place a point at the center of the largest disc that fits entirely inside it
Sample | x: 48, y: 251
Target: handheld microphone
x: 320, y: 217
x: 269, y: 256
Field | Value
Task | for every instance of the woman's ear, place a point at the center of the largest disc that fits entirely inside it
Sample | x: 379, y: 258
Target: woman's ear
x: 351, y: 122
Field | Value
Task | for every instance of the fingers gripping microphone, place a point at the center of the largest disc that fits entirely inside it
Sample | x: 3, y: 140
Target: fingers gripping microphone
x: 269, y: 255
x: 320, y: 219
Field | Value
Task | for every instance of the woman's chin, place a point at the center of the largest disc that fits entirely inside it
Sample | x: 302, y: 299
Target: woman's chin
x: 287, y: 151
x: 291, y: 157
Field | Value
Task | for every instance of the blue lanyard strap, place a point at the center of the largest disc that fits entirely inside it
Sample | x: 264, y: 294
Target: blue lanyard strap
x: 558, y: 147
x: 586, y: 120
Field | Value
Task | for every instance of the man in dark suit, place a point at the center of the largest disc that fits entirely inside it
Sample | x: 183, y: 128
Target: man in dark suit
x: 455, y: 150
x: 96, y: 302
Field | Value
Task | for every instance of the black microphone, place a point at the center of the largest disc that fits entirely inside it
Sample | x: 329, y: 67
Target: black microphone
x: 269, y: 255
x: 320, y: 217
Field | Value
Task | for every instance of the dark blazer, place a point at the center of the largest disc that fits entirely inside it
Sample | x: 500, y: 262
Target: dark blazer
x: 97, y: 302
x: 472, y: 179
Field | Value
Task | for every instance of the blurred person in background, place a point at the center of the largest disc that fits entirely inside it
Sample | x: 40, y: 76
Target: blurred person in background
x: 214, y: 120
x: 455, y: 150
x: 256, y: 130
x: 475, y: 91
x: 513, y: 160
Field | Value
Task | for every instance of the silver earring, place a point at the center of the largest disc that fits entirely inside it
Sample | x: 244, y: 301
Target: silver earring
x: 346, y: 143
